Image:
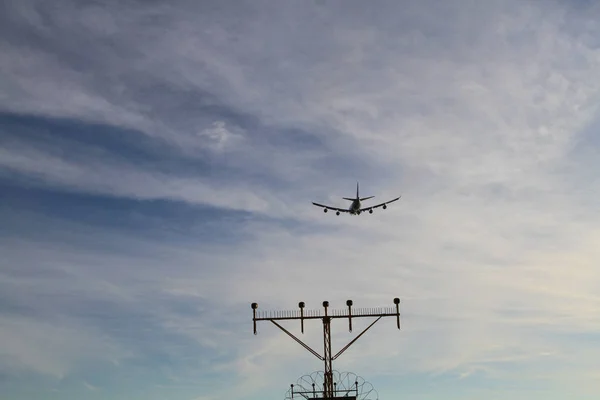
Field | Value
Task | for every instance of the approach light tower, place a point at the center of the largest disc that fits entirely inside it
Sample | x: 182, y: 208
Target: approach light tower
x: 326, y: 316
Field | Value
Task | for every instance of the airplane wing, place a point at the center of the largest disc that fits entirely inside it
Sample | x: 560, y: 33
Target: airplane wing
x: 379, y: 205
x: 330, y: 208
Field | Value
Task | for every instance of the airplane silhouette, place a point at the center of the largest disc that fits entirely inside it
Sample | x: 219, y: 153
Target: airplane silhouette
x: 355, y: 208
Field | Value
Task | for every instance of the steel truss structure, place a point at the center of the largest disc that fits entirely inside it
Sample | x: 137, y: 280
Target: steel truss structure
x: 326, y: 316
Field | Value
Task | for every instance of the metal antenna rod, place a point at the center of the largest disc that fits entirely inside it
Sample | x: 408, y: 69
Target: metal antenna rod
x: 326, y: 317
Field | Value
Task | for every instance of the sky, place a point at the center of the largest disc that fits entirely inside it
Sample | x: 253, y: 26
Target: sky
x: 158, y: 161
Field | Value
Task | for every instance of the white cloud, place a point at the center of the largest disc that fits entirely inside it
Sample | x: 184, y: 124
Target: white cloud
x: 51, y: 348
x: 124, y: 180
x: 219, y: 136
x: 90, y: 387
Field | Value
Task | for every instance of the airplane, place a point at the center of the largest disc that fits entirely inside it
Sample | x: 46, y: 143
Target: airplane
x: 355, y: 208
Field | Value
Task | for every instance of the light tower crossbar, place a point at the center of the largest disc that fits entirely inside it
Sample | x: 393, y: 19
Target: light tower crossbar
x: 326, y: 316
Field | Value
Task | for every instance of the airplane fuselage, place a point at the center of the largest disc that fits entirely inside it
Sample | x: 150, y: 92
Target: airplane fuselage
x: 355, y: 207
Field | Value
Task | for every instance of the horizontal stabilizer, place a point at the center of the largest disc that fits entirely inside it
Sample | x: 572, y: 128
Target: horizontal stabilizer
x: 366, y: 198
x: 348, y: 198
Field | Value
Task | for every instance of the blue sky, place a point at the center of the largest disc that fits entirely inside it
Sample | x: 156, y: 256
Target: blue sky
x: 158, y: 163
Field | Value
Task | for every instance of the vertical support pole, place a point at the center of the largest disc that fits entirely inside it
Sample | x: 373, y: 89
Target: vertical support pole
x: 254, y: 307
x: 301, y: 305
x: 397, y: 303
x: 328, y: 384
x: 349, y: 304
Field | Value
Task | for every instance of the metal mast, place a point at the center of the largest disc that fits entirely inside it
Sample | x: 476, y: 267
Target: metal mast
x: 326, y: 317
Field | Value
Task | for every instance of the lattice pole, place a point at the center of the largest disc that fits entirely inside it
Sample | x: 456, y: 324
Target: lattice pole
x: 328, y: 385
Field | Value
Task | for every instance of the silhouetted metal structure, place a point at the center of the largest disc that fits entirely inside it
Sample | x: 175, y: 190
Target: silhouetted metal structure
x: 346, y: 385
x: 326, y: 316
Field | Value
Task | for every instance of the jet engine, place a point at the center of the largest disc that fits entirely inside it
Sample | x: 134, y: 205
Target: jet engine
x: 371, y: 211
x: 337, y: 213
x: 384, y: 206
x: 324, y: 210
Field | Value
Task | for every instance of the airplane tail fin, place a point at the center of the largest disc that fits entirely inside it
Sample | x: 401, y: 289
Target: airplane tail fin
x: 362, y: 198
x: 357, y: 196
